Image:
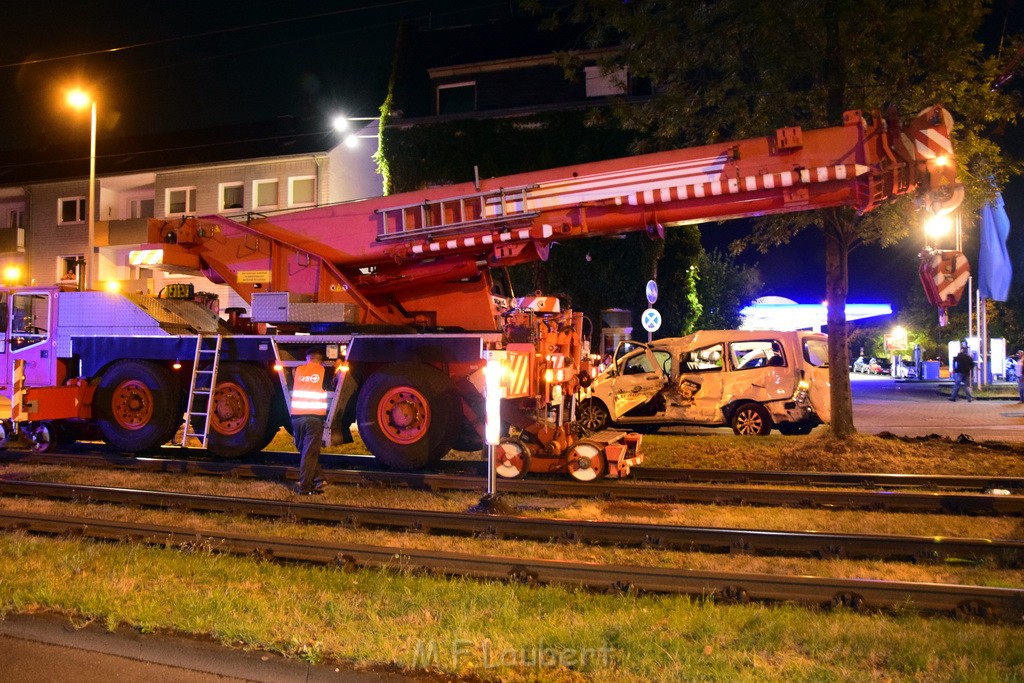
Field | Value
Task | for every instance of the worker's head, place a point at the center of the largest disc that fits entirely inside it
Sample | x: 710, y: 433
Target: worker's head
x: 314, y: 355
x: 963, y: 346
x: 1020, y: 354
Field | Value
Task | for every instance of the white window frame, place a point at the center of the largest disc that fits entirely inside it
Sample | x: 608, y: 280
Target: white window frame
x: 81, y: 216
x: 133, y: 207
x: 75, y: 262
x: 256, y: 193
x: 188, y: 190
x: 452, y: 86
x: 291, y: 190
x: 132, y: 204
x: 221, y: 204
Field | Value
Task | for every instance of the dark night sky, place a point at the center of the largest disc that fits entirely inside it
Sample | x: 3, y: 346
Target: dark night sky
x: 202, y: 64
x: 191, y: 64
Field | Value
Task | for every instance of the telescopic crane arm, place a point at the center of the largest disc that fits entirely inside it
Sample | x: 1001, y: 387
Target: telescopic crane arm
x: 424, y: 257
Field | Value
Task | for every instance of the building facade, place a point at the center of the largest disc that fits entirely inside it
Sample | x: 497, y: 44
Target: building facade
x: 44, y: 221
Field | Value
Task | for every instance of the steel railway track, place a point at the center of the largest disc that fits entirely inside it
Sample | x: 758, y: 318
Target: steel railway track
x: 988, y: 602
x: 1006, y: 553
x: 894, y: 501
x: 865, y: 480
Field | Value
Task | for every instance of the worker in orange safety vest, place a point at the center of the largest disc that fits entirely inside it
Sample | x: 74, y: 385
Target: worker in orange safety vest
x: 309, y: 409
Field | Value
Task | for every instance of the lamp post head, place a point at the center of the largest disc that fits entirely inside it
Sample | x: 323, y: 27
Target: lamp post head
x: 79, y: 99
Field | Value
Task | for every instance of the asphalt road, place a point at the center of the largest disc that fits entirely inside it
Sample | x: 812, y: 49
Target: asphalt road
x: 910, y: 408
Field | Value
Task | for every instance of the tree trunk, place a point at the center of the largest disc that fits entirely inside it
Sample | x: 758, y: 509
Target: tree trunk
x: 837, y: 286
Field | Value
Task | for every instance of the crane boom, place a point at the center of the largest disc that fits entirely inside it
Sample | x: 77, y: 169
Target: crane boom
x: 423, y: 257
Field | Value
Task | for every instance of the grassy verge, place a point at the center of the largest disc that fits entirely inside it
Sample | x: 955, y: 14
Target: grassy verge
x: 489, y: 630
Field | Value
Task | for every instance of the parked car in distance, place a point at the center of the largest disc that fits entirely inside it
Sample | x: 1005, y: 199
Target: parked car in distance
x: 879, y: 366
x: 905, y: 369
x: 752, y: 381
x: 860, y: 365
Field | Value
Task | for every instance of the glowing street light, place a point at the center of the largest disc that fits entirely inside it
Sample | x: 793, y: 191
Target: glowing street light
x: 343, y: 124
x: 79, y: 99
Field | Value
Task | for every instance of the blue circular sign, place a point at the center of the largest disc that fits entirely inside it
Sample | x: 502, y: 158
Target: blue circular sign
x: 652, y: 291
x: 651, y: 320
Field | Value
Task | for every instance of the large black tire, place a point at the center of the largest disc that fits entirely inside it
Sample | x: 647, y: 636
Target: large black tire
x: 592, y: 416
x: 408, y: 415
x: 751, y: 419
x: 137, y: 405
x: 241, y: 411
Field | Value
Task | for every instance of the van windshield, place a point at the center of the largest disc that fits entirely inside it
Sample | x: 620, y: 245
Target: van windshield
x: 816, y: 352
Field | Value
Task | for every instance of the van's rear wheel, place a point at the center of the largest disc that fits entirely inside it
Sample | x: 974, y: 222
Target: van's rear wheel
x: 408, y: 415
x: 137, y: 405
x: 751, y: 419
x: 240, y: 411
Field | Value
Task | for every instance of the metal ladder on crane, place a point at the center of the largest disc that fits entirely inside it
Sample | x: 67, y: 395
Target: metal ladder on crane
x: 453, y: 214
x: 200, y: 392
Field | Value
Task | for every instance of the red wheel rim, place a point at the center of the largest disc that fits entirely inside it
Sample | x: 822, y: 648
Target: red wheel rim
x: 132, y: 404
x: 403, y: 415
x: 231, y: 409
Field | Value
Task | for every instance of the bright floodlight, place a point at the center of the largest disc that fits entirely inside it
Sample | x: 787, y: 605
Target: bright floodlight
x: 12, y: 274
x: 937, y: 226
x: 351, y: 141
x: 340, y: 123
x: 79, y: 99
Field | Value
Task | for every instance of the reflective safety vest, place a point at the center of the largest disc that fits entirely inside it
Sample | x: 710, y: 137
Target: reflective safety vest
x: 308, y: 394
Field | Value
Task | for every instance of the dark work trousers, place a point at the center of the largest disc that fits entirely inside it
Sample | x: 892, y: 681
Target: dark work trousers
x: 308, y: 431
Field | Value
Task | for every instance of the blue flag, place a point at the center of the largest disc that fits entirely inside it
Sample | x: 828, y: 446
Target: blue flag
x: 994, y: 268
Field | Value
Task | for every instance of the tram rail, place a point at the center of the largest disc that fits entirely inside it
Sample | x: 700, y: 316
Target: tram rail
x: 961, y: 600
x: 1007, y: 553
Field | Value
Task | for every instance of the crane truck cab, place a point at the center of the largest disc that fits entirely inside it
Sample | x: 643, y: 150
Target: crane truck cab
x: 752, y: 381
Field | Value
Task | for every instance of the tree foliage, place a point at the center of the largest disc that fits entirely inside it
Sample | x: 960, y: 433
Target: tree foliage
x: 730, y: 69
x: 724, y: 287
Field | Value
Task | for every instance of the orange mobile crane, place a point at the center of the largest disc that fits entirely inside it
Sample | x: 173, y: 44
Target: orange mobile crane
x: 398, y: 289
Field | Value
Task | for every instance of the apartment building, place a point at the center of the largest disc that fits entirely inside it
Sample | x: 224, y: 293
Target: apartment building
x: 44, y: 204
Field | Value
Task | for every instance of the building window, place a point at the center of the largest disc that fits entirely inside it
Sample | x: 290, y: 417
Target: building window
x: 302, y: 191
x: 600, y: 84
x: 71, y: 210
x: 456, y: 98
x: 141, y: 208
x: 69, y: 268
x: 181, y: 200
x: 16, y: 218
x: 232, y: 196
x: 264, y: 194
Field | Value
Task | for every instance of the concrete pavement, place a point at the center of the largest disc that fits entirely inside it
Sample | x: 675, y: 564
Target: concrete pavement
x: 47, y: 647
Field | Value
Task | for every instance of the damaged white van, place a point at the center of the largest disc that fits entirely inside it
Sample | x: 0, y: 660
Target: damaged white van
x: 752, y: 381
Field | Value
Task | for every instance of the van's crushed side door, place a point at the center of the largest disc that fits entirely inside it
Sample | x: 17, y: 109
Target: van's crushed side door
x: 696, y: 394
x: 639, y: 377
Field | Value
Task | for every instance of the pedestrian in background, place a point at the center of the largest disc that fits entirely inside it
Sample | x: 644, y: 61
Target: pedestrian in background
x: 1020, y: 376
x: 963, y: 364
x: 309, y: 409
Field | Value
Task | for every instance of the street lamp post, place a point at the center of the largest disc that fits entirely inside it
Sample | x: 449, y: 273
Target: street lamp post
x: 79, y: 99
